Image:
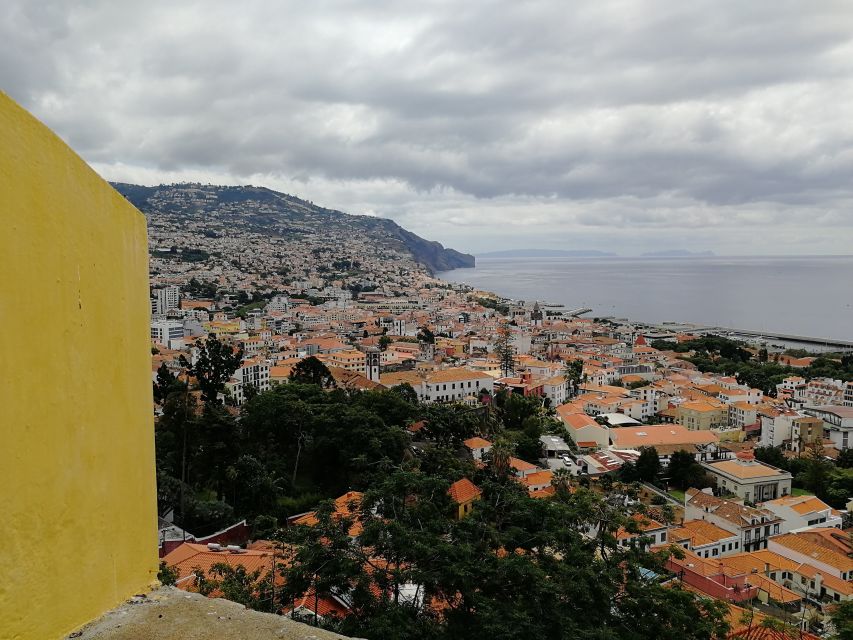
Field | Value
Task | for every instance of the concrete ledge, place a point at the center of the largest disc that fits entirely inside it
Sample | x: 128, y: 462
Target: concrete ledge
x: 171, y: 613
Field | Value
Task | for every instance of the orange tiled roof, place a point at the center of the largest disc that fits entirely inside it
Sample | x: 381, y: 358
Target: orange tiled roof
x: 463, y: 491
x: 808, y: 548
x: 346, y: 506
x: 700, y: 533
x: 745, y: 470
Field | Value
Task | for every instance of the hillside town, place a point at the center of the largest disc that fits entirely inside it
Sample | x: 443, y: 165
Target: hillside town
x: 379, y: 320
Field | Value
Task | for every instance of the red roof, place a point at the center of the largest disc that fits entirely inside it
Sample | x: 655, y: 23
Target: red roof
x: 463, y: 491
x: 477, y: 443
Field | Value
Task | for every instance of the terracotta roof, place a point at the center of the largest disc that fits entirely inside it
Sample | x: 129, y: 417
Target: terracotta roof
x: 346, y: 506
x: 700, y: 533
x: 745, y: 469
x: 521, y: 465
x: 579, y: 420
x: 645, y: 523
x: 654, y: 435
x: 477, y: 443
x: 831, y: 538
x: 806, y: 547
x: 736, y: 513
x: 801, y: 504
x: 537, y: 478
x: 189, y: 555
x: 463, y: 491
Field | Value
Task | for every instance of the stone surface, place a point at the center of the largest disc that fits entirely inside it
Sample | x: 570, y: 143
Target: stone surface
x: 169, y: 613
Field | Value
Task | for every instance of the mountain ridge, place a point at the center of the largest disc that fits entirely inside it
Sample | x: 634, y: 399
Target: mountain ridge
x: 277, y: 213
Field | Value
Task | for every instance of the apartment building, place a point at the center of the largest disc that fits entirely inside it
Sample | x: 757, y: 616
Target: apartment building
x: 837, y: 423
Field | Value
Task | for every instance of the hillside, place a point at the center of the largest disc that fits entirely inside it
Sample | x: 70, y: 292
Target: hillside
x: 269, y: 212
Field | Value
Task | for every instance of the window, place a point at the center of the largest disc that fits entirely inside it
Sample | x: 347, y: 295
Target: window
x: 747, y: 536
x: 775, y: 529
x: 714, y: 552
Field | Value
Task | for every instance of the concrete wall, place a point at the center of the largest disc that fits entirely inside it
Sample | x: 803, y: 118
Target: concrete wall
x: 77, y: 481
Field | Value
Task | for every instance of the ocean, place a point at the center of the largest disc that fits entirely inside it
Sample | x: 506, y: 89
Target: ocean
x: 806, y: 296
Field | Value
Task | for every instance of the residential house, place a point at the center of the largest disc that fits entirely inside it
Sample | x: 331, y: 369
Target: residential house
x: 803, y: 512
x: 752, y: 525
x: 478, y: 447
x: 463, y: 493
x: 704, y: 538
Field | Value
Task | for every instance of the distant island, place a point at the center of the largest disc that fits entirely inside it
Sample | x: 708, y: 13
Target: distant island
x: 546, y: 253
x: 679, y: 253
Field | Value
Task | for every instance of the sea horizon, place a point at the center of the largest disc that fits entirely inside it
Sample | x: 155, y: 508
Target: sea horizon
x: 795, y: 295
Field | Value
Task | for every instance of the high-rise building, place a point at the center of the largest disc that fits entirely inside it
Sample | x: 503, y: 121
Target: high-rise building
x: 168, y: 298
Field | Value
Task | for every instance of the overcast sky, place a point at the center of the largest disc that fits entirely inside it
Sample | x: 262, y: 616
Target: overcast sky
x: 626, y: 126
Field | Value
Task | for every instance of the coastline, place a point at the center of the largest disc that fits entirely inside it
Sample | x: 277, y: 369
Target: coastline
x: 811, y: 341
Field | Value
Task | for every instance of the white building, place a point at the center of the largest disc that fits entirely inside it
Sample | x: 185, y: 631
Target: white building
x: 837, y: 422
x: 753, y: 526
x: 167, y: 332
x: 749, y: 479
x: 556, y: 389
x: 278, y: 303
x: 167, y: 298
x: 256, y: 373
x: 454, y: 385
x: 803, y: 512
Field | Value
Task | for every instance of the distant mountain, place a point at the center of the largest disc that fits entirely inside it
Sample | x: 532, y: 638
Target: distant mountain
x: 546, y: 253
x: 263, y: 210
x: 679, y: 253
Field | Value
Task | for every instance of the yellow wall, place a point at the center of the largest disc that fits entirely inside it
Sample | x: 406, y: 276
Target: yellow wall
x: 77, y: 481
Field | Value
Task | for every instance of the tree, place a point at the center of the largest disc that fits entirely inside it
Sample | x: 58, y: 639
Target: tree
x: 384, y: 341
x: 573, y: 585
x: 425, y: 335
x: 165, y: 384
x: 215, y: 363
x: 684, y: 472
x: 573, y: 373
x: 167, y: 575
x: 648, y: 465
x: 842, y: 620
x: 311, y: 371
x: 504, y: 350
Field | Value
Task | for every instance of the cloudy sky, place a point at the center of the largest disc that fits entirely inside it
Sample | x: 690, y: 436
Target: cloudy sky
x: 626, y: 126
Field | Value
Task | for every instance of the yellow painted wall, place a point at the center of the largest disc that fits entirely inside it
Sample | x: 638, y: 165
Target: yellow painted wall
x: 77, y: 480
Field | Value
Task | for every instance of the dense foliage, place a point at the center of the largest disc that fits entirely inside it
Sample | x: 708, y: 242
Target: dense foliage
x: 516, y: 567
x: 832, y: 483
x: 717, y: 354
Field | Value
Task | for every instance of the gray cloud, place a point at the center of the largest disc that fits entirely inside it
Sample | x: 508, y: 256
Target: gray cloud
x: 713, y: 124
